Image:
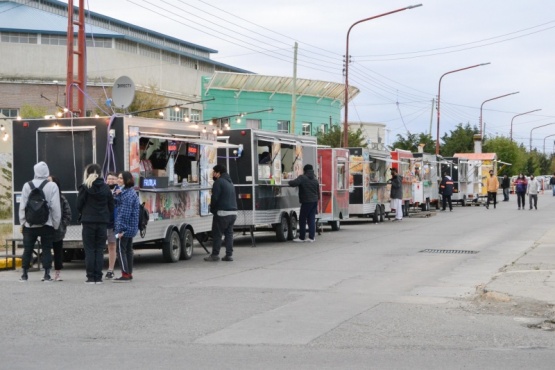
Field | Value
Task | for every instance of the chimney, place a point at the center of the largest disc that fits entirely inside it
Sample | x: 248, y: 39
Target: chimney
x: 421, y: 148
x: 477, y: 143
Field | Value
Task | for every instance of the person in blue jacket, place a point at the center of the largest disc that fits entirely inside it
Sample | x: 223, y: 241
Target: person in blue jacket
x: 446, y: 191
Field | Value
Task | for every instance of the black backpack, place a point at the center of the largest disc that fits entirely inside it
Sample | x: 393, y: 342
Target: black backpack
x: 143, y: 219
x: 37, y: 210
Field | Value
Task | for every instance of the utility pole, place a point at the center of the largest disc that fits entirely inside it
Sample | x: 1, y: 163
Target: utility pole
x: 81, y: 81
x: 432, y: 115
x: 294, y: 93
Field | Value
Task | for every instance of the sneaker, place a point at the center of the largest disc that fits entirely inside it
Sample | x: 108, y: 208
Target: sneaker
x: 123, y: 279
x: 310, y: 240
x: 227, y: 259
x: 57, y: 276
x: 299, y: 240
x: 99, y: 282
x: 90, y: 281
x: 211, y: 258
x: 109, y: 275
x: 24, y: 278
x: 47, y: 278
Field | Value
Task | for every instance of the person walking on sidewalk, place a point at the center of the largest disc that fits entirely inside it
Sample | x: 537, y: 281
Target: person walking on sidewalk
x: 126, y: 225
x: 309, y: 195
x: 223, y: 205
x: 506, y: 186
x: 532, y: 190
x: 39, y: 215
x: 520, y: 189
x: 95, y: 204
x: 492, y: 184
x: 446, y: 191
x: 552, y: 183
x: 396, y: 194
x: 60, y: 232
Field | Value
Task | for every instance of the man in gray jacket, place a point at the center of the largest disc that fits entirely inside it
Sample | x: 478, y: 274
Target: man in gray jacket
x: 309, y: 194
x: 45, y: 231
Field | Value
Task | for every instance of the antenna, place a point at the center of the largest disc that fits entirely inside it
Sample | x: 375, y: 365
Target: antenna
x: 123, y: 92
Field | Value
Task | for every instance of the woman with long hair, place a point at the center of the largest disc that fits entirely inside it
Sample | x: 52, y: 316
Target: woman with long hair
x: 520, y: 189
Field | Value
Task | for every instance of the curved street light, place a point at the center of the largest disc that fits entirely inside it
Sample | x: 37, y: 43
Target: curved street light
x: 544, y: 142
x: 547, y: 124
x: 485, y: 101
x: 346, y: 123
x: 520, y: 114
x: 439, y: 96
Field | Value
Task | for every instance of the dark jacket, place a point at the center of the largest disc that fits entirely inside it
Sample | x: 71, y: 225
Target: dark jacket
x: 505, y: 183
x: 446, y: 186
x: 127, y: 217
x: 95, y: 204
x: 309, y: 188
x: 60, y: 233
x: 396, y: 188
x: 223, y: 195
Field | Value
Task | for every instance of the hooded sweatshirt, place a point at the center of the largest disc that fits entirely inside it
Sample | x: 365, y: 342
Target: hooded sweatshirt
x: 223, y: 195
x: 95, y: 202
x: 51, y: 194
x: 533, y: 186
x: 309, y: 188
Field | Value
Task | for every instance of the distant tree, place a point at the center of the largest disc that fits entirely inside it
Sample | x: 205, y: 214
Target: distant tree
x: 461, y: 140
x: 507, y: 151
x: 29, y: 111
x: 150, y: 100
x: 6, y: 194
x: 334, y: 137
x: 413, y: 141
x: 530, y: 166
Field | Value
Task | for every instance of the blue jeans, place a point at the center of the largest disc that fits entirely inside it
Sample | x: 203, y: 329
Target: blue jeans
x: 94, y: 242
x: 222, y: 225
x: 30, y: 236
x: 308, y: 214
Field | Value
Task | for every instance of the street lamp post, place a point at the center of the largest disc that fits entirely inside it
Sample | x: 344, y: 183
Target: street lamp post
x: 481, y: 106
x: 520, y: 114
x: 544, y: 142
x: 547, y: 124
x: 346, y: 123
x: 439, y: 96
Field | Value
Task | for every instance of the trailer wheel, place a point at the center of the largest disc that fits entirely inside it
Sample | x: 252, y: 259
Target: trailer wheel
x: 186, y: 244
x: 69, y: 255
x: 376, y: 215
x: 171, y: 248
x: 335, y: 225
x: 293, y: 227
x: 463, y: 201
x: 382, y: 213
x: 282, y: 229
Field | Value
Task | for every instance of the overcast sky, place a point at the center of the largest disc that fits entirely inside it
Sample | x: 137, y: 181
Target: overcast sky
x: 397, y: 60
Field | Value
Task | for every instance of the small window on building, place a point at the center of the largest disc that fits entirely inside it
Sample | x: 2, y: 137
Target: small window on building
x: 306, y: 129
x: 283, y: 126
x: 323, y: 128
x: 9, y: 112
x: 253, y: 123
x: 177, y: 114
x: 196, y: 115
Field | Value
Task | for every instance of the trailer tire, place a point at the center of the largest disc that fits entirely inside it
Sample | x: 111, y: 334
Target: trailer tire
x: 376, y: 215
x: 293, y: 226
x: 335, y: 225
x: 69, y: 255
x: 187, y: 242
x: 171, y: 248
x: 282, y: 228
x: 463, y: 201
x: 382, y: 213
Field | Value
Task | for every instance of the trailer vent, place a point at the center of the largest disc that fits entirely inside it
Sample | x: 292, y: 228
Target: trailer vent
x: 448, y: 251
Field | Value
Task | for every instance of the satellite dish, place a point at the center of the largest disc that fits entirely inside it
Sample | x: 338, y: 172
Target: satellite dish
x: 123, y: 92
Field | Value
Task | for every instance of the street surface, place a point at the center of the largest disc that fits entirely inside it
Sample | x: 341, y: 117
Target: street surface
x: 364, y: 297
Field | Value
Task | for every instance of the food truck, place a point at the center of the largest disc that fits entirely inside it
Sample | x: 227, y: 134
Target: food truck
x: 426, y: 167
x: 403, y: 161
x: 171, y: 164
x: 368, y: 188
x: 333, y: 174
x: 457, y: 168
x: 260, y: 171
x: 479, y: 165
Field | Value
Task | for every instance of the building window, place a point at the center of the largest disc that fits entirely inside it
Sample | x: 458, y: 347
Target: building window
x: 53, y: 40
x: 18, y: 38
x: 253, y: 123
x: 177, y: 115
x: 283, y: 126
x: 9, y: 112
x: 323, y: 128
x: 196, y: 115
x: 99, y: 43
x: 306, y: 129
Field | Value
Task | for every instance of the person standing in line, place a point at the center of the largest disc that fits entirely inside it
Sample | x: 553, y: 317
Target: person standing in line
x: 126, y: 225
x: 396, y: 194
x: 532, y: 190
x: 492, y: 184
x: 223, y: 206
x: 520, y: 189
x: 309, y: 195
x: 50, y: 220
x: 95, y: 204
x: 506, y: 186
x: 60, y: 232
x: 446, y: 191
x: 112, y: 182
x: 552, y: 183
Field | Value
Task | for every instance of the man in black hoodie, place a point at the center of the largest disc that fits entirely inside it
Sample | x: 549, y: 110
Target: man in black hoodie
x: 223, y: 205
x: 309, y: 194
x: 95, y: 205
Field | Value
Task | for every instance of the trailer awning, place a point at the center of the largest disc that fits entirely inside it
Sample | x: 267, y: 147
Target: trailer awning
x: 194, y: 140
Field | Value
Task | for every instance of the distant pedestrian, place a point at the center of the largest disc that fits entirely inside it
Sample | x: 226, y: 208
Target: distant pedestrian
x: 506, y: 186
x: 396, y: 194
x: 95, y: 204
x: 39, y: 215
x: 446, y: 191
x: 60, y: 232
x: 520, y: 189
x: 492, y: 184
x: 552, y: 183
x: 126, y: 225
x: 309, y: 195
x: 532, y: 190
x: 223, y: 206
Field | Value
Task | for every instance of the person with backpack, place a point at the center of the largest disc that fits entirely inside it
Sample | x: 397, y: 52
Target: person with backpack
x: 95, y: 205
x: 60, y: 232
x: 126, y: 225
x: 39, y: 215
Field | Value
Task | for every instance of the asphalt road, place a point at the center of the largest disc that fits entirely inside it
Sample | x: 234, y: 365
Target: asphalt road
x: 365, y: 297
